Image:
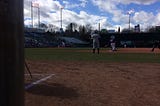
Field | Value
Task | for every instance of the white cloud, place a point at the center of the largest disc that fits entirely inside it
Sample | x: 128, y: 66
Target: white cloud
x: 146, y: 19
x: 143, y: 2
x: 26, y: 12
x: 68, y: 5
x: 83, y: 18
x: 50, y: 13
x: 120, y: 17
x: 158, y: 19
x: 46, y: 7
x: 83, y: 2
x: 143, y: 17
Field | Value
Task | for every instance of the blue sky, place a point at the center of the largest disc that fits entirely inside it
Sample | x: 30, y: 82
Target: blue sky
x: 110, y: 13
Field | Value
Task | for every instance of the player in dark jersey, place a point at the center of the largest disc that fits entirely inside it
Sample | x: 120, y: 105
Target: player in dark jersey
x: 156, y: 44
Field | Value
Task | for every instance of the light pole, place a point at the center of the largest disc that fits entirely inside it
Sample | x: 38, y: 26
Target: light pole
x: 99, y: 25
x: 35, y: 5
x: 39, y: 17
x: 31, y: 14
x: 129, y: 22
x: 129, y: 16
x: 61, y: 17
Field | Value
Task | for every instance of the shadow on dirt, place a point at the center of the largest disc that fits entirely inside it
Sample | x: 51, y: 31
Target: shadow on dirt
x: 54, y: 89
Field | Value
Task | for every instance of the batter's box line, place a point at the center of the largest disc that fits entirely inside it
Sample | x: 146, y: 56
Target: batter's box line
x: 37, y: 74
x: 37, y: 82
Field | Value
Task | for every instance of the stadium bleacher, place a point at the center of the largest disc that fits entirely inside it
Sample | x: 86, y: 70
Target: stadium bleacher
x: 34, y: 38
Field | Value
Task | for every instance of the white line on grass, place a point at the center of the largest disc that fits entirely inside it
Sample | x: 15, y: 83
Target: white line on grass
x: 38, y: 81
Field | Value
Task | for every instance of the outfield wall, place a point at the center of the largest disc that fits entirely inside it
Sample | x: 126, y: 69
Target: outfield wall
x: 136, y: 39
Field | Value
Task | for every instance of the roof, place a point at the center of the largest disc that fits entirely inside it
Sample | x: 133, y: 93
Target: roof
x: 73, y: 40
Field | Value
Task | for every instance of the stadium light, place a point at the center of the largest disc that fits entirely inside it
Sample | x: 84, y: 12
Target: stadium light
x: 99, y: 25
x: 61, y: 17
x: 35, y: 4
x: 129, y: 21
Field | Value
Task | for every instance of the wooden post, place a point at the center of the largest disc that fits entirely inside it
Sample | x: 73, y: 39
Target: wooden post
x: 11, y: 53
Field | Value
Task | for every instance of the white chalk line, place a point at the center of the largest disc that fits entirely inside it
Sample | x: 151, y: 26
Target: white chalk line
x: 38, y: 81
x: 36, y: 74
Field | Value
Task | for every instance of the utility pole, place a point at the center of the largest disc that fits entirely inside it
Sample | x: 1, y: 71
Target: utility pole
x: 11, y: 53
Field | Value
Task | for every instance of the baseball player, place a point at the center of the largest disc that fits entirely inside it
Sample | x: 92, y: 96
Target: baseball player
x: 113, y: 43
x: 156, y: 44
x: 95, y: 37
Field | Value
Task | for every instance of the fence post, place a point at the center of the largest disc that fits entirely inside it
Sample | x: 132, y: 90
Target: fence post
x: 11, y: 53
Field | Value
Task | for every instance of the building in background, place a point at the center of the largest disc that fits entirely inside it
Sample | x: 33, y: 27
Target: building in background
x: 158, y: 28
x: 111, y: 31
x: 137, y: 28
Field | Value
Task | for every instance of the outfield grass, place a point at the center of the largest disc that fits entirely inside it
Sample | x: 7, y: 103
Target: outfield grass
x: 74, y: 54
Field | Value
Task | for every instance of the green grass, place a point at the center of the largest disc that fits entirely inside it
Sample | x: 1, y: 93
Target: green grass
x: 73, y: 54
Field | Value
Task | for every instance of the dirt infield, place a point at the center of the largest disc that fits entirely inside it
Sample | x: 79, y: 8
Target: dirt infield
x: 93, y: 84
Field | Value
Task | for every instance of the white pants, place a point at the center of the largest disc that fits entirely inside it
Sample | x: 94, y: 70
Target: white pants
x: 113, y: 46
x: 95, y: 45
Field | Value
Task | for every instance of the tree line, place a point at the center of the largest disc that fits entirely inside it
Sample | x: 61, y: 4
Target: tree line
x: 83, y: 32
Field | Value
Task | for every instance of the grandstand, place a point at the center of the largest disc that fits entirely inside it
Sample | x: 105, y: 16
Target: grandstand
x: 40, y: 38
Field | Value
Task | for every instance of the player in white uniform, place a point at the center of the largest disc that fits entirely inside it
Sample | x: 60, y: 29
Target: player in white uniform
x: 95, y: 37
x: 113, y: 43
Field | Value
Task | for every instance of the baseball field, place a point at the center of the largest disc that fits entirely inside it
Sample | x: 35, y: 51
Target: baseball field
x: 77, y: 77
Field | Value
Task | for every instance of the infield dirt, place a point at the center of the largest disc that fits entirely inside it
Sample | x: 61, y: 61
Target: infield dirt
x: 94, y: 84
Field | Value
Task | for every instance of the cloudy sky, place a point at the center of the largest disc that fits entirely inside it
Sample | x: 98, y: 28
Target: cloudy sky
x: 111, y: 14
